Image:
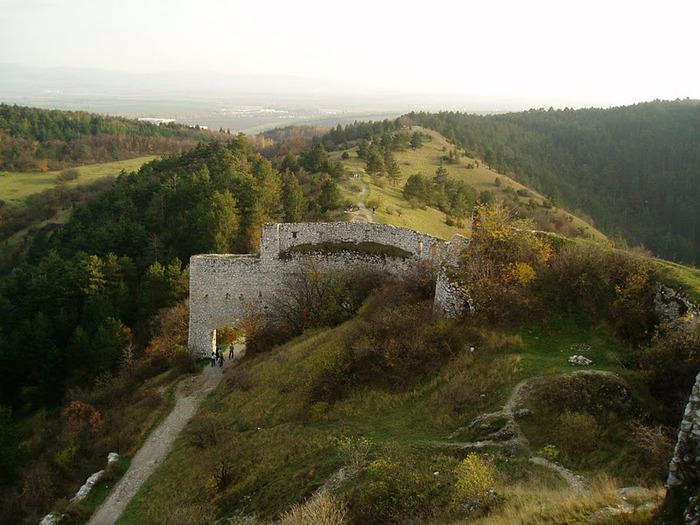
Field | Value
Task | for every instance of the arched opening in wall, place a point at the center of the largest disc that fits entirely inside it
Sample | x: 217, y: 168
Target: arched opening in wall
x: 229, y: 341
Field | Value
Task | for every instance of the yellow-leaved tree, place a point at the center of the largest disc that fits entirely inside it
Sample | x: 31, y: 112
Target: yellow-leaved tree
x: 500, y: 267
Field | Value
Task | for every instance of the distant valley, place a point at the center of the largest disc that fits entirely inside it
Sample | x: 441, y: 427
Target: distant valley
x: 238, y: 103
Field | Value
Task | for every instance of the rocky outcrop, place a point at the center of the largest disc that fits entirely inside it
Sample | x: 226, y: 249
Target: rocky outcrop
x: 683, y: 483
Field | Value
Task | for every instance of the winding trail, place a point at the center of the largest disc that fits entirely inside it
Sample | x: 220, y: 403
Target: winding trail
x: 363, y: 214
x: 509, y: 434
x: 190, y: 393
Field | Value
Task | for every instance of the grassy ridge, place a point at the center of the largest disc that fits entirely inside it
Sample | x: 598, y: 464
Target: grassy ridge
x: 391, y: 207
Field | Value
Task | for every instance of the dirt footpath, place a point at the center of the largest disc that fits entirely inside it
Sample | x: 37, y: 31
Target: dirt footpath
x: 190, y: 393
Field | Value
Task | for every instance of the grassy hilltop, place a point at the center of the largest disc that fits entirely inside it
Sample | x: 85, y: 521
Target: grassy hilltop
x: 392, y: 208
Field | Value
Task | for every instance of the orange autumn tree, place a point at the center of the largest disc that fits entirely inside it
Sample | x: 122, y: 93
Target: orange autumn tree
x: 170, y: 336
x: 500, y: 267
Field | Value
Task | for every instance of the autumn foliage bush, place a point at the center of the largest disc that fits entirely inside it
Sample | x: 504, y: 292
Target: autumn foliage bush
x: 501, y: 266
x: 474, y: 488
x: 598, y: 284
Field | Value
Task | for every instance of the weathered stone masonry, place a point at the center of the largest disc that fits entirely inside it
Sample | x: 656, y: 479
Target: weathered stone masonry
x: 224, y: 289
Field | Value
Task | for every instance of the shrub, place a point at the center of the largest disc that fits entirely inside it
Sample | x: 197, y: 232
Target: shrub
x: 669, y: 367
x: 354, y: 450
x: 204, y: 430
x: 330, y: 372
x: 549, y: 452
x: 394, y: 343
x: 593, y: 393
x: 66, y: 457
x: 239, y: 379
x: 67, y: 175
x: 323, y: 509
x: 393, y: 490
x: 501, y: 265
x: 81, y: 423
x: 603, y: 285
x: 223, y: 471
x: 315, y: 298
x: 475, y: 484
x: 655, y: 447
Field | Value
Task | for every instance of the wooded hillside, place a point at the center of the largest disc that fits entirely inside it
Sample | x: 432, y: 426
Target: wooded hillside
x: 634, y: 170
x: 40, y: 139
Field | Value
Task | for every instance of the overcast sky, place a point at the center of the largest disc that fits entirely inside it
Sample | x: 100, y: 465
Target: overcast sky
x: 558, y: 52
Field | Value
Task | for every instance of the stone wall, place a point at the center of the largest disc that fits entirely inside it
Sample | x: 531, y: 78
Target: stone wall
x: 682, y: 504
x: 224, y: 289
x: 283, y: 236
x: 685, y: 464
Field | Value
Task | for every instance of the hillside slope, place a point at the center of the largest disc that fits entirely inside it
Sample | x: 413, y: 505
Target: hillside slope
x: 633, y: 169
x: 389, y: 439
x: 391, y: 206
x: 395, y: 416
x: 33, y: 139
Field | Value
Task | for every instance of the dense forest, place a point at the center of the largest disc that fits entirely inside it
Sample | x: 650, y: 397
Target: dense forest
x: 122, y: 257
x: 634, y: 170
x: 40, y: 139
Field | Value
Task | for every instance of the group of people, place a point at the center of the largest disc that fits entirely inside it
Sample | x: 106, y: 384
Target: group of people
x: 218, y: 356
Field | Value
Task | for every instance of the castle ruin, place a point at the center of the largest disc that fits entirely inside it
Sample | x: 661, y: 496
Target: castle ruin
x: 225, y: 289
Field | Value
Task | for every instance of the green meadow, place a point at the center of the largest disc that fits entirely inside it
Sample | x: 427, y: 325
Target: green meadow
x: 15, y: 187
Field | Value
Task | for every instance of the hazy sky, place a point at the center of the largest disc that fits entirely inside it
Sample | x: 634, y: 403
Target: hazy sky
x: 559, y: 52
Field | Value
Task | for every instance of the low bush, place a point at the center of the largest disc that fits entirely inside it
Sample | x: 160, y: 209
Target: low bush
x: 474, y: 489
x: 394, y: 489
x: 204, y: 431
x: 67, y: 175
x: 330, y: 372
x: 323, y: 509
x: 653, y: 446
x: 354, y: 450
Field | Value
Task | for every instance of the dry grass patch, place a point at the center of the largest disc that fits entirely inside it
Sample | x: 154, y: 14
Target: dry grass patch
x: 602, y: 505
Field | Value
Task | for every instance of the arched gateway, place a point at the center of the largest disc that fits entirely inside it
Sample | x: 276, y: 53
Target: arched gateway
x: 225, y: 289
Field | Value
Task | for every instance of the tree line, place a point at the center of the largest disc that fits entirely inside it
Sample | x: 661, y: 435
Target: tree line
x: 40, y: 139
x: 632, y: 169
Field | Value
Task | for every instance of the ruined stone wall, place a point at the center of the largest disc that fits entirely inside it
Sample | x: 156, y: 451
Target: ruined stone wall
x: 281, y: 237
x: 685, y: 464
x: 224, y: 289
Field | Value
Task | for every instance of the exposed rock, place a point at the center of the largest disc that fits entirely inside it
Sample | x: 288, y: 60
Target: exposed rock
x: 87, y: 486
x: 579, y: 360
x: 683, y: 480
